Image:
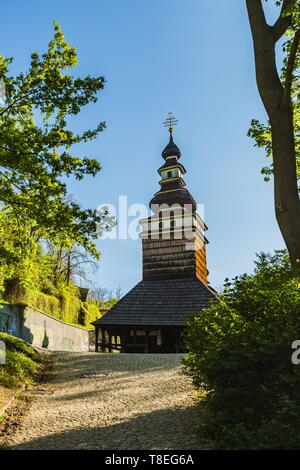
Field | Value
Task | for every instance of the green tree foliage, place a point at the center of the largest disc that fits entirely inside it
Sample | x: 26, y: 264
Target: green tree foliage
x: 20, y: 253
x: 36, y: 144
x: 240, y: 352
x: 29, y: 273
x: 37, y: 109
x: 89, y: 312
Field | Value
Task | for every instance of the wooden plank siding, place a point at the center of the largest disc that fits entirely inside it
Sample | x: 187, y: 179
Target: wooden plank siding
x: 169, y: 259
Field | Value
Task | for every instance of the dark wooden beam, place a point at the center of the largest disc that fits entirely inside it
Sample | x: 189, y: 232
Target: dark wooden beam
x: 177, y: 341
x: 122, y: 337
x: 109, y: 342
x: 146, y: 340
x: 103, y: 340
x: 97, y: 339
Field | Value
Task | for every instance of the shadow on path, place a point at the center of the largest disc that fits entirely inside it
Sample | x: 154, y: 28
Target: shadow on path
x: 151, y: 431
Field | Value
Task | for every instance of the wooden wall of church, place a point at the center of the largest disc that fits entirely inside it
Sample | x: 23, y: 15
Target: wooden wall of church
x: 170, y: 259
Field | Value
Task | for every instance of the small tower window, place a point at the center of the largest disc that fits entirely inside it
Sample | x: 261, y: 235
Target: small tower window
x: 169, y: 174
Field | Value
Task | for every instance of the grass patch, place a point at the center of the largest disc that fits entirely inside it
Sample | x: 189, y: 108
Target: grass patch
x: 23, y: 363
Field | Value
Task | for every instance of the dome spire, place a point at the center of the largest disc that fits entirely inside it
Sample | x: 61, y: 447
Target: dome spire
x: 171, y: 149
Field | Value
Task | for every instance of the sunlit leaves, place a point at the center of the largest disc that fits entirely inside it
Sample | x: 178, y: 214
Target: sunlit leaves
x: 239, y: 353
x: 36, y: 142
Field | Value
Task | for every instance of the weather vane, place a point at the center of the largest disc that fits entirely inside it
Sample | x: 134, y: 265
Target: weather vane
x: 170, y: 122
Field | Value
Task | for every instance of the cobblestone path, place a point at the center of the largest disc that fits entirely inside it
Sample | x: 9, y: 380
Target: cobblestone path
x: 110, y: 401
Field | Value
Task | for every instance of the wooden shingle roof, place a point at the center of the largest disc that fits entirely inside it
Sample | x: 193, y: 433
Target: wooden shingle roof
x: 166, y: 302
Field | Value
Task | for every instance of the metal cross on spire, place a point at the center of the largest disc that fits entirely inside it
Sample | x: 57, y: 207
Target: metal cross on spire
x: 170, y: 123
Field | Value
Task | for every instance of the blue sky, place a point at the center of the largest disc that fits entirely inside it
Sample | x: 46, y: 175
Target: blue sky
x: 194, y: 58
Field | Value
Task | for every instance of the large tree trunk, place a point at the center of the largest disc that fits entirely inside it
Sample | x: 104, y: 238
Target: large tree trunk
x: 287, y: 203
x: 277, y: 101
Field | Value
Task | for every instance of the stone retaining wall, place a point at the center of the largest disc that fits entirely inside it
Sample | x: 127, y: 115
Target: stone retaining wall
x: 42, y: 330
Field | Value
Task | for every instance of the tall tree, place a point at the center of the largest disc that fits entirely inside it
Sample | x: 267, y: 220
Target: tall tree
x: 71, y: 263
x: 280, y: 94
x: 36, y: 143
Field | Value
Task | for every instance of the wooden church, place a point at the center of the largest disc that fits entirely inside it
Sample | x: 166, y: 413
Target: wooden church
x: 151, y: 317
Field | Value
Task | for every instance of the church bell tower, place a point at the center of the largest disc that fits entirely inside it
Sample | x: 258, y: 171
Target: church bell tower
x: 151, y: 317
x: 173, y: 237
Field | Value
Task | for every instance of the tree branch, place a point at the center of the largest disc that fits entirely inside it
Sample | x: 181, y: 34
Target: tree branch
x: 10, y: 181
x: 255, y: 9
x: 256, y: 14
x: 13, y: 103
x: 291, y: 62
x: 267, y: 76
x: 283, y: 22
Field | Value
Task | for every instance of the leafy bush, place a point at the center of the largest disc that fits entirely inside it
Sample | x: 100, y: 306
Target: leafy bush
x: 69, y: 303
x: 14, y: 344
x: 36, y: 274
x: 240, y: 357
x: 22, y: 362
x: 43, y: 302
x: 89, y: 312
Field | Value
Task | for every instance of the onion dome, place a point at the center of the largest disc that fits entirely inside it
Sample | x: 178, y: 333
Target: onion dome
x: 171, y: 150
x: 172, y: 186
x: 181, y: 197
